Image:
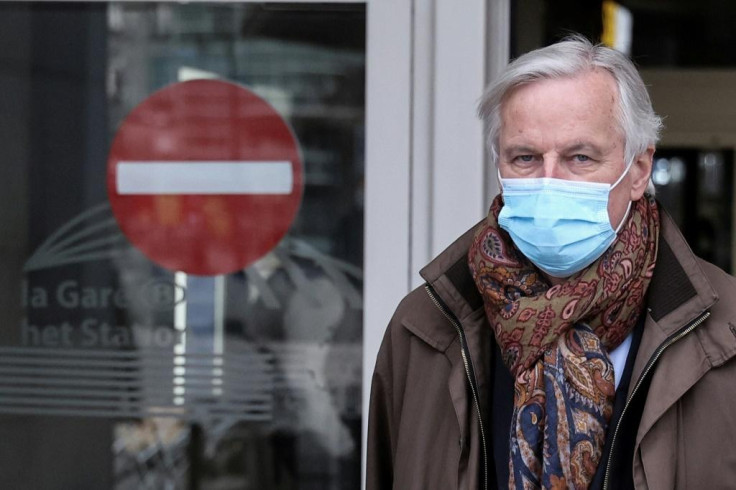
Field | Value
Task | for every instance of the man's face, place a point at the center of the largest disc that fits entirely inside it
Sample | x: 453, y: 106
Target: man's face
x: 567, y: 129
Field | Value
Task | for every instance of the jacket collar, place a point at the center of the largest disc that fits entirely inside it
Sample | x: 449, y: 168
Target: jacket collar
x: 449, y: 276
x: 680, y: 291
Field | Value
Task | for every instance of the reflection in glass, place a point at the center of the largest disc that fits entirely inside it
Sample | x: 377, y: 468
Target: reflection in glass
x: 158, y: 378
x: 299, y: 308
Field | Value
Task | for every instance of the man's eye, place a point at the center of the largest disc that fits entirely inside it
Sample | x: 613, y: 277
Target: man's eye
x: 525, y: 158
x: 581, y: 158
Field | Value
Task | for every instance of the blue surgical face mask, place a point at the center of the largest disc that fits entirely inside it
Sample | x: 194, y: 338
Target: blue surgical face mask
x: 562, y: 226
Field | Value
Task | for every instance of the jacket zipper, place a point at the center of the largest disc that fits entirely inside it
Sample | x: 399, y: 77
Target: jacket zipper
x: 647, y: 369
x: 469, y: 371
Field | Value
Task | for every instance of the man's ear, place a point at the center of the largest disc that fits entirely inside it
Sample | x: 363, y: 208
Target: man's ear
x: 640, y: 172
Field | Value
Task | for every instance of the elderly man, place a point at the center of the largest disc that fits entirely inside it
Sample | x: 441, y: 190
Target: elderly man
x: 571, y: 339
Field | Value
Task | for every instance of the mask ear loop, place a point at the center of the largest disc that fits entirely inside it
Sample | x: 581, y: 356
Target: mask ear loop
x: 621, y: 177
x: 623, y: 220
x: 628, y: 208
x: 500, y: 180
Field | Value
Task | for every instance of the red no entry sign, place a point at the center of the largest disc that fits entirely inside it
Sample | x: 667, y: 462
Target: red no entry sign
x: 204, y: 177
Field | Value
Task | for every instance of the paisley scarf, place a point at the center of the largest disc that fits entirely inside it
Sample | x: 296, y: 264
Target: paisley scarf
x: 554, y: 341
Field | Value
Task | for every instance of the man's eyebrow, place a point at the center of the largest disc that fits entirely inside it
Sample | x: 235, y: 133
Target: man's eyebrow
x: 582, y: 146
x: 518, y: 149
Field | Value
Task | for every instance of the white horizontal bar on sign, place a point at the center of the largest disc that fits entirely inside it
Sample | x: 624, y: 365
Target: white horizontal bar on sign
x: 210, y: 177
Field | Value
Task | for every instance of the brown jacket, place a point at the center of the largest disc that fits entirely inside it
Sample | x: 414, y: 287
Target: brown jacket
x: 428, y: 424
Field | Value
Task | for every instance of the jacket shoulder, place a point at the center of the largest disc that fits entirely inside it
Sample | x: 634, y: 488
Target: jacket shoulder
x: 724, y: 285
x: 722, y: 281
x: 719, y: 336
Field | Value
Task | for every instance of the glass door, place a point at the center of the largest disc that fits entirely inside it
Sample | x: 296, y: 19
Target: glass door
x: 119, y: 368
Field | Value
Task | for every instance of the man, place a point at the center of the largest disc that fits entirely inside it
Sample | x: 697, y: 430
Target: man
x: 571, y: 339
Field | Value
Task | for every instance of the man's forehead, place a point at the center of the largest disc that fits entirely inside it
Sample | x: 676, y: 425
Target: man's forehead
x: 592, y: 74
x: 599, y: 80
x: 584, y: 104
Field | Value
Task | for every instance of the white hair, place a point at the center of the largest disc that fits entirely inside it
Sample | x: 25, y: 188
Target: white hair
x: 570, y: 57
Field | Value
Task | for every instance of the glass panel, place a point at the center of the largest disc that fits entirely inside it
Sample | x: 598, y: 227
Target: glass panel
x: 705, y: 176
x: 684, y: 34
x: 117, y: 372
x: 673, y: 33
